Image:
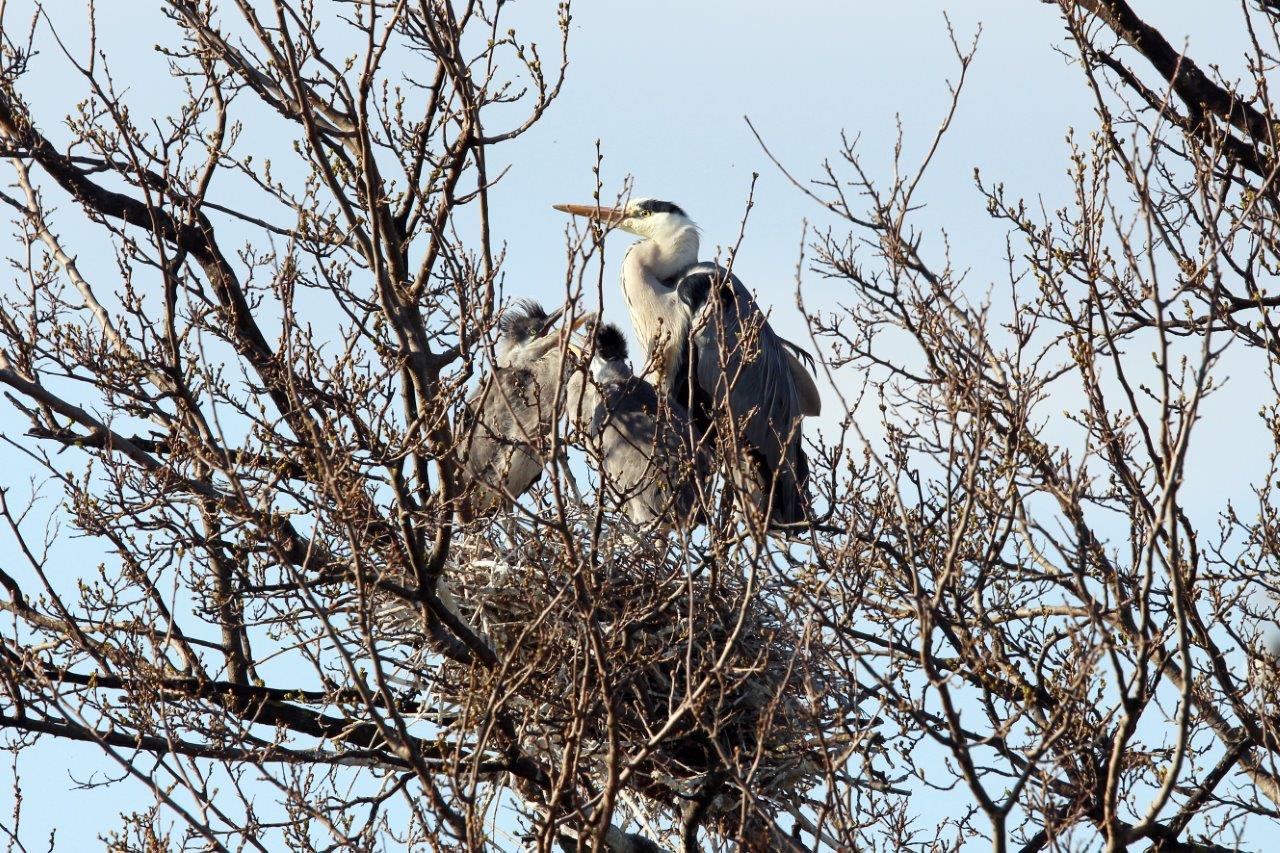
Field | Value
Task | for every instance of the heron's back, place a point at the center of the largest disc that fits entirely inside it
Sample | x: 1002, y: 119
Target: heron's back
x: 650, y: 466
x: 510, y: 425
x: 737, y: 367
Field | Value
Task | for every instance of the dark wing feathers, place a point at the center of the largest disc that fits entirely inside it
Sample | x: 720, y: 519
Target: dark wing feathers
x: 801, y: 353
x: 697, y: 283
x: 651, y: 469
x: 505, y: 426
x: 740, y: 364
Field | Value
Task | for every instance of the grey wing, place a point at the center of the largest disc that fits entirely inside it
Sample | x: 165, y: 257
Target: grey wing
x: 626, y: 432
x: 645, y: 455
x: 535, y: 409
x: 744, y: 369
x: 689, y: 465
x: 802, y: 374
x: 499, y: 452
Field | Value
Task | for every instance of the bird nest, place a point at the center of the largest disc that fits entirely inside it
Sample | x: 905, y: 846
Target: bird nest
x: 705, y: 682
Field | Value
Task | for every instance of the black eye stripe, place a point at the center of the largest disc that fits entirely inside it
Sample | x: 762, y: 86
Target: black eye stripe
x: 653, y: 205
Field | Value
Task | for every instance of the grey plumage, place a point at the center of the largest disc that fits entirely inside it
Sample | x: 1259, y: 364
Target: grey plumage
x: 711, y: 347
x: 507, y: 424
x: 651, y: 468
x: 734, y: 364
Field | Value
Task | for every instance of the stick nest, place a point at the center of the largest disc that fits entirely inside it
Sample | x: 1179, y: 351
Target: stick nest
x: 707, y: 684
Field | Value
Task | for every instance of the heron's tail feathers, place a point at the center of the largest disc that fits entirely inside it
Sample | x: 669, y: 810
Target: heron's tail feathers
x: 782, y: 490
x: 790, y: 494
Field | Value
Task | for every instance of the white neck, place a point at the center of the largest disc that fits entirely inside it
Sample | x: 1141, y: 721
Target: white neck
x: 670, y: 250
x: 657, y: 315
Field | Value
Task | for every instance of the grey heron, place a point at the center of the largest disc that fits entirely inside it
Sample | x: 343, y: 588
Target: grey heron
x: 711, y: 346
x: 506, y: 427
x: 651, y: 464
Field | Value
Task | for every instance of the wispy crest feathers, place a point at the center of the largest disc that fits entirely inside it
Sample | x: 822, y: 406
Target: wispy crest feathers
x: 524, y: 309
x: 611, y: 344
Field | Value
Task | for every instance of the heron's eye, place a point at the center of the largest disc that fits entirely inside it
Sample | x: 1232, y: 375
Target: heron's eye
x: 642, y: 213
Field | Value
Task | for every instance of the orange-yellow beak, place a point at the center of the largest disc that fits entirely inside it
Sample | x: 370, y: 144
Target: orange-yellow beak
x: 554, y: 317
x: 603, y: 215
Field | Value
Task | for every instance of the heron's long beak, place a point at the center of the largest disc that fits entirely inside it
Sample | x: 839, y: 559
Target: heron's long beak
x: 578, y: 323
x: 604, y: 215
x: 554, y: 317
x: 551, y: 320
x: 547, y: 342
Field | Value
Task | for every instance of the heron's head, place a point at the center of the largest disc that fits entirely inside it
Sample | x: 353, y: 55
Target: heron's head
x: 609, y: 362
x: 524, y: 331
x: 523, y: 324
x: 644, y: 217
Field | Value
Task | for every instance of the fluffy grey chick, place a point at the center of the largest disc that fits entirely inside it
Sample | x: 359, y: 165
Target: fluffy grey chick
x: 506, y: 427
x: 651, y: 469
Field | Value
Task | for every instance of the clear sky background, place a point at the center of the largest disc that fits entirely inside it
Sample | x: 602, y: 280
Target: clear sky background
x: 663, y: 86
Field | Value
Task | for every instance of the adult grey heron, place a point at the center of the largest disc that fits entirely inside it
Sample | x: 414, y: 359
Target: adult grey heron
x: 506, y: 427
x: 651, y: 466
x: 712, y: 348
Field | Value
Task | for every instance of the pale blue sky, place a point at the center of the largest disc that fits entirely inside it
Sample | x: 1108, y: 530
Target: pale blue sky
x: 664, y: 85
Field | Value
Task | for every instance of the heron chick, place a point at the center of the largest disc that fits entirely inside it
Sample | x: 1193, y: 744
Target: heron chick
x: 505, y: 430
x: 651, y: 466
